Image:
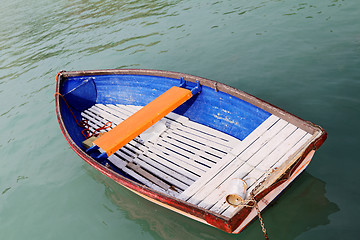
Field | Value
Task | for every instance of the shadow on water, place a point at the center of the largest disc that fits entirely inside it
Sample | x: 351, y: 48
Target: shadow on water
x: 301, y: 208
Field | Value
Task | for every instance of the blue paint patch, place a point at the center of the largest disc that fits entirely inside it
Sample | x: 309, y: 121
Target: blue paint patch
x: 223, y: 112
x: 79, y: 93
x: 217, y: 110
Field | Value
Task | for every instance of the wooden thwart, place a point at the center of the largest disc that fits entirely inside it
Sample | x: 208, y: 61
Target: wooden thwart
x: 142, y: 119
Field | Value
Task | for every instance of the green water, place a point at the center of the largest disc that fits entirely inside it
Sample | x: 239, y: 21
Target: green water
x: 303, y: 56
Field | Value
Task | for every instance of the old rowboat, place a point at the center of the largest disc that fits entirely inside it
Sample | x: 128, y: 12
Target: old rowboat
x: 195, y: 146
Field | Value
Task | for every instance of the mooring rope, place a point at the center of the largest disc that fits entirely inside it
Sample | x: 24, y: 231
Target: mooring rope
x: 84, y: 123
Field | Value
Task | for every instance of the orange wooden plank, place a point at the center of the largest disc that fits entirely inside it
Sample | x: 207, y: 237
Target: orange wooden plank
x: 137, y: 123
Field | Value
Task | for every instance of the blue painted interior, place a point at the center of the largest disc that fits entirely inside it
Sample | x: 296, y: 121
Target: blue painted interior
x: 218, y: 110
x: 80, y: 93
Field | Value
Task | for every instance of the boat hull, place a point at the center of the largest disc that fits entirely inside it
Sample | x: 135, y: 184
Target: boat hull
x: 234, y: 223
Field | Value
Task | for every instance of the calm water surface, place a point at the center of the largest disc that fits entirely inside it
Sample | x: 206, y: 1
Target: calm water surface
x: 303, y: 56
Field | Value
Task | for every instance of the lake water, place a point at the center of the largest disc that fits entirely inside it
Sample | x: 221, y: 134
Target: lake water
x: 303, y: 56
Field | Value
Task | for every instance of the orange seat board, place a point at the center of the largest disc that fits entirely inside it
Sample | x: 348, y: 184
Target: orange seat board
x: 137, y: 123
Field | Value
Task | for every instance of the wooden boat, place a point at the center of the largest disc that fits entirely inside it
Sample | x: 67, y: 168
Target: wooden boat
x: 195, y: 146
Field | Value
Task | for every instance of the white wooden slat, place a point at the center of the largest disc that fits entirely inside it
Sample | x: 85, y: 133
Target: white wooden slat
x: 110, y: 108
x: 98, y: 109
x: 190, y: 155
x: 163, y: 161
x: 108, y: 116
x: 297, y: 145
x: 242, y: 171
x: 192, y: 146
x: 138, y: 177
x: 150, y: 167
x: 166, y: 169
x: 160, y: 174
x: 190, y: 132
x: 207, y: 149
x: 130, y: 150
x: 252, y: 157
x: 263, y: 140
x: 201, y: 182
x: 251, y: 178
x: 117, y: 161
x: 271, y: 145
x: 200, y: 139
x: 184, y: 179
x: 221, y: 176
x: 247, y: 172
x: 117, y: 158
x: 284, y: 147
x: 124, y: 110
x: 157, y: 155
x: 144, y: 180
x: 92, y: 121
x: 219, y: 191
x: 153, y: 152
x: 121, y: 164
x: 109, y: 113
x: 181, y: 162
x: 220, y: 205
x: 180, y: 159
x: 130, y: 108
x: 99, y: 122
x: 138, y: 169
x: 206, y: 133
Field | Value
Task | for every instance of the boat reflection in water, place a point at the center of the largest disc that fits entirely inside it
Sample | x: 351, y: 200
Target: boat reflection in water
x: 302, y: 207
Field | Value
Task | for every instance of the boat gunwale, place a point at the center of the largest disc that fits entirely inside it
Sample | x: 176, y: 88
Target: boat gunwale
x: 217, y: 86
x: 227, y: 224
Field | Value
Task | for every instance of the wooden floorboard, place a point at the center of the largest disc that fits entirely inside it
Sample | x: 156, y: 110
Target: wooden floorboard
x: 163, y: 171
x: 250, y: 159
x: 228, y: 159
x: 293, y: 143
x: 179, y: 157
x: 199, y: 162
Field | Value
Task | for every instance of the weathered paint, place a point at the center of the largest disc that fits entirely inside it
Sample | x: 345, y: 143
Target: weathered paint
x: 234, y: 224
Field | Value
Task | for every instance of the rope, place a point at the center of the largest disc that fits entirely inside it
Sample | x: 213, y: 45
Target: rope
x: 57, y: 75
x: 87, y: 133
x: 84, y: 123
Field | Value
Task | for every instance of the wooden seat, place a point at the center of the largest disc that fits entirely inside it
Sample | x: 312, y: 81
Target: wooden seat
x: 142, y: 119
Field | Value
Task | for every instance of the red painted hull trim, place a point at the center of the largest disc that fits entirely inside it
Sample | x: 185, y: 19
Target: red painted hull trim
x: 231, y: 225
